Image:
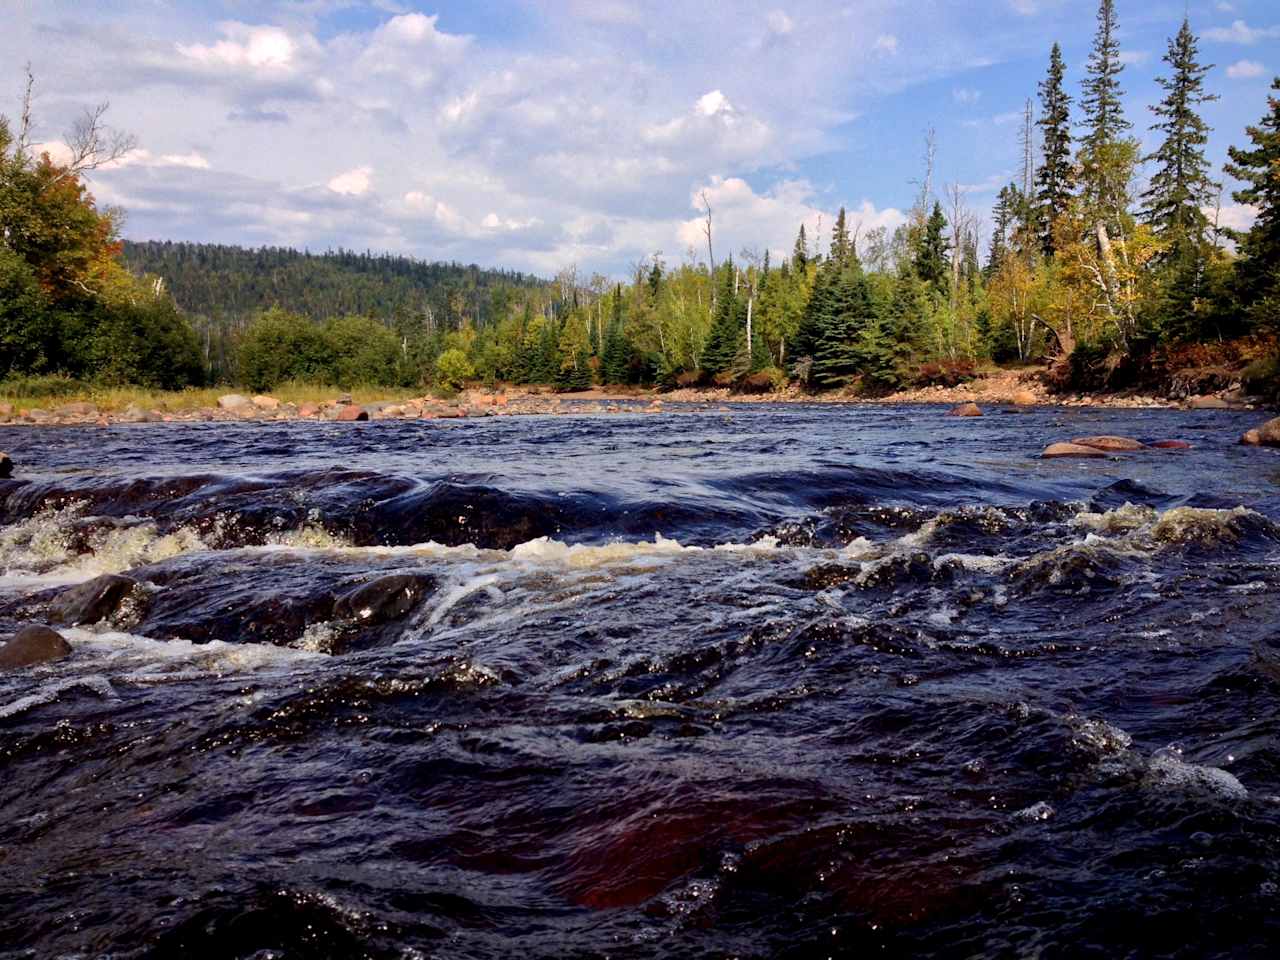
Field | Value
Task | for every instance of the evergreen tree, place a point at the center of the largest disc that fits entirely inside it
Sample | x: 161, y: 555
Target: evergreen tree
x: 1054, y: 178
x: 616, y: 356
x: 841, y: 246
x: 846, y: 310
x: 1258, y: 267
x: 728, y: 327
x: 931, y: 263
x: 1181, y: 184
x: 1002, y: 217
x: 800, y: 256
x: 1105, y: 123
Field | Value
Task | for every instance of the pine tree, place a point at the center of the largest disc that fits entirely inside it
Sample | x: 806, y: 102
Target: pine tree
x: 1105, y: 123
x: 616, y: 356
x: 931, y: 253
x: 1003, y: 217
x: 728, y: 327
x: 1258, y: 267
x: 841, y: 247
x: 1055, y: 176
x: 846, y: 311
x: 800, y: 256
x: 1181, y: 185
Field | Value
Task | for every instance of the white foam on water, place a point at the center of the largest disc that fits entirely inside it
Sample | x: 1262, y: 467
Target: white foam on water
x: 1168, y: 770
x: 456, y: 594
x: 140, y: 659
x: 50, y: 692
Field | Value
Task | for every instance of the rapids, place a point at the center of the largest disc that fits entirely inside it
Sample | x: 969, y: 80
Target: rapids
x: 772, y: 682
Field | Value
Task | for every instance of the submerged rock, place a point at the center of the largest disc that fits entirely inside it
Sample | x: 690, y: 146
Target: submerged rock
x: 965, y: 410
x: 1267, y: 435
x: 33, y: 644
x: 1109, y: 443
x: 1170, y: 445
x: 384, y: 599
x: 92, y: 601
x: 1055, y: 450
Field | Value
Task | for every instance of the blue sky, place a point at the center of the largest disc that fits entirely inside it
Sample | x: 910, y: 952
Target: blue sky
x: 536, y: 134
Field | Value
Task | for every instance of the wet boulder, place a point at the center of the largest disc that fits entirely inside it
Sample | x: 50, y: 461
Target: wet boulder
x: 1170, y: 445
x: 1267, y: 435
x: 1109, y: 443
x: 384, y: 599
x: 6, y: 466
x: 1024, y: 398
x: 1056, y: 450
x: 352, y: 413
x: 965, y: 410
x: 94, y: 600
x: 33, y: 644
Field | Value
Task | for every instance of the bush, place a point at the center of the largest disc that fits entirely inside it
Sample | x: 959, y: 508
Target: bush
x: 281, y: 346
x: 1262, y: 378
x: 40, y: 387
x: 362, y: 351
x: 453, y: 369
x: 944, y: 373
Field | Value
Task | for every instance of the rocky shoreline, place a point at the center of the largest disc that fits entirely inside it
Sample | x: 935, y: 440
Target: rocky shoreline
x: 1010, y: 388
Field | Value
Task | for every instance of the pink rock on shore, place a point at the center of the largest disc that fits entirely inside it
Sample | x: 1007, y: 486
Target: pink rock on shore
x: 352, y: 412
x: 1267, y: 435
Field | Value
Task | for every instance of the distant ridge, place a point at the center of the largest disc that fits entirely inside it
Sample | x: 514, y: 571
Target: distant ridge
x: 225, y: 286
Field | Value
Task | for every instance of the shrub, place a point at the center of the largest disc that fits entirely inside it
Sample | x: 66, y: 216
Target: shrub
x: 281, y: 346
x: 453, y: 369
x: 40, y: 387
x: 944, y: 373
x: 361, y: 351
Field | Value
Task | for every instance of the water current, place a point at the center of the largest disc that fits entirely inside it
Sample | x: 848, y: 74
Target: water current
x: 770, y: 682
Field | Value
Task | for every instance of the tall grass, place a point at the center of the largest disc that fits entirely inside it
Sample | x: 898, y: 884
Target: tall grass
x: 48, y: 392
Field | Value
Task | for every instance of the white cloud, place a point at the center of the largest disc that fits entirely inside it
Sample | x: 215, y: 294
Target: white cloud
x: 352, y: 183
x: 1241, y: 32
x: 260, y: 47
x: 744, y: 218
x: 886, y: 43
x: 966, y: 95
x: 1245, y: 69
x: 779, y: 23
x: 1134, y: 57
x: 1236, y: 216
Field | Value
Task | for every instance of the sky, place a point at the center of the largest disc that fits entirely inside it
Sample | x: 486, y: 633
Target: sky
x: 538, y: 134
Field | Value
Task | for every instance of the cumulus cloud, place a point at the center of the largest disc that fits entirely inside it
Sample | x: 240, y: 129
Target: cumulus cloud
x: 744, y: 218
x: 352, y: 183
x: 1241, y: 32
x: 1245, y: 69
x: 886, y: 43
x: 779, y: 23
x: 1235, y: 216
x: 246, y: 46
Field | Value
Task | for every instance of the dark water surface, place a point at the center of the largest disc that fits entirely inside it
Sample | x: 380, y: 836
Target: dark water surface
x: 769, y: 683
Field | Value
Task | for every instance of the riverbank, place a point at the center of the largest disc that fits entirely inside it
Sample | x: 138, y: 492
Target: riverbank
x: 1021, y: 387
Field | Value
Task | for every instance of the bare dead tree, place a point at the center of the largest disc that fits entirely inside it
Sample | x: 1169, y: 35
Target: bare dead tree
x: 24, y: 126
x: 93, y: 143
x: 1027, y: 143
x: 706, y: 229
x: 920, y: 211
x: 963, y: 223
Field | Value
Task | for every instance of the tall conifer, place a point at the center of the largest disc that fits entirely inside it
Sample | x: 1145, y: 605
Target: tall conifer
x: 1105, y: 123
x: 1258, y: 269
x: 1054, y: 179
x: 1181, y: 184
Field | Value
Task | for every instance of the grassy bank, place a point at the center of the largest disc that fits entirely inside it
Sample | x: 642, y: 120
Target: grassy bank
x: 51, y: 392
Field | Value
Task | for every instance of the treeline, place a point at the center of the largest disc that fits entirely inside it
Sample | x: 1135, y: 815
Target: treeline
x: 1100, y: 259
x: 222, y: 288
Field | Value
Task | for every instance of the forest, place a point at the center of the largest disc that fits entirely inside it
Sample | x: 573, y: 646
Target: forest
x: 1104, y: 263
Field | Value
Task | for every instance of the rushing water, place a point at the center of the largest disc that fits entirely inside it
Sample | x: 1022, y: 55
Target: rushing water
x: 766, y: 683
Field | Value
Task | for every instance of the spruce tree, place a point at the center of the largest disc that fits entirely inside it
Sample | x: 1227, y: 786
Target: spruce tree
x: 931, y: 253
x: 1258, y: 266
x: 1002, y: 216
x: 800, y: 256
x: 841, y: 247
x: 847, y: 311
x: 728, y: 327
x: 616, y: 357
x: 1054, y: 179
x: 1105, y: 123
x: 1181, y: 184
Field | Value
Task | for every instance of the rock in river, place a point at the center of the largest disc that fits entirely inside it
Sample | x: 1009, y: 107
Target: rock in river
x: 6, y: 466
x: 352, y: 413
x: 384, y: 599
x: 1055, y: 450
x: 965, y: 410
x: 93, y: 600
x: 1267, y: 435
x: 1109, y: 443
x: 33, y: 644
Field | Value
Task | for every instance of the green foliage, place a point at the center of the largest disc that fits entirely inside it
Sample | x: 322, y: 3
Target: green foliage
x: 1258, y: 269
x: 362, y: 351
x: 1055, y: 177
x: 1105, y: 122
x: 280, y: 346
x: 453, y: 369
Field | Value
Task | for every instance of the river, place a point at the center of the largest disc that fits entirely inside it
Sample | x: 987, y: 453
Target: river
x: 771, y: 682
